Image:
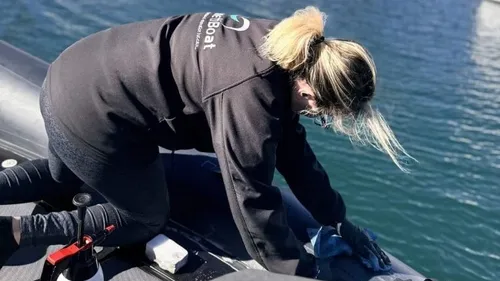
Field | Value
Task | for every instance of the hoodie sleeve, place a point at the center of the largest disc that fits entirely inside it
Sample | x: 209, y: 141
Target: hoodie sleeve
x: 246, y: 129
x: 306, y: 177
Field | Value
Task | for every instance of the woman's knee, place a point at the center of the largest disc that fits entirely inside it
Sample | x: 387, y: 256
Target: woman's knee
x: 156, y: 223
x: 130, y: 228
x: 148, y: 225
x: 156, y: 226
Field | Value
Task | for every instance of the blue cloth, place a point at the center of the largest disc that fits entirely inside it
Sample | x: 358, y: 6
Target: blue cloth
x: 327, y: 243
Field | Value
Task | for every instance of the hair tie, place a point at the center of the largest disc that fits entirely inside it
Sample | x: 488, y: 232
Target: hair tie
x: 318, y: 40
x: 312, y: 57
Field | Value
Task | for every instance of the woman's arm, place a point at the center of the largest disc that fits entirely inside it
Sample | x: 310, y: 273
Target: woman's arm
x: 306, y: 176
x: 246, y: 128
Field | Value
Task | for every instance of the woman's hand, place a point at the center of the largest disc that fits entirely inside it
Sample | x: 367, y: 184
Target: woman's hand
x: 361, y: 243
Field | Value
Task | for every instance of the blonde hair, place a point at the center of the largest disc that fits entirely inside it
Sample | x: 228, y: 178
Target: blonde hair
x: 341, y: 73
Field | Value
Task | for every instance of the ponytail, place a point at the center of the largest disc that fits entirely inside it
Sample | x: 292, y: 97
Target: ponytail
x: 342, y: 74
x: 370, y: 127
x: 288, y: 42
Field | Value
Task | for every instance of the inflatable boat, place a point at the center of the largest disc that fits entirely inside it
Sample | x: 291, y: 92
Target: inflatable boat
x: 200, y: 222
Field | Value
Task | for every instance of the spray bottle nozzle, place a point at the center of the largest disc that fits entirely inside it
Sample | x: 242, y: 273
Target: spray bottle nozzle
x: 81, y: 202
x: 75, y: 254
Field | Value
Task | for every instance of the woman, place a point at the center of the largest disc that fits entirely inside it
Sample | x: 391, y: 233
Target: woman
x: 214, y: 82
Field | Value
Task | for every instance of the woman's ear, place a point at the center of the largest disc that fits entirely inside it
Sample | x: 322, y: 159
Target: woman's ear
x: 303, y: 96
x: 307, y: 96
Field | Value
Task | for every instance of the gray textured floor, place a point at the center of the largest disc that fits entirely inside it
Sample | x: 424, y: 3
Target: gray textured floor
x: 26, y: 264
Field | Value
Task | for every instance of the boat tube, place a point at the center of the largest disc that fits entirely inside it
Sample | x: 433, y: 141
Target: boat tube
x: 201, y: 220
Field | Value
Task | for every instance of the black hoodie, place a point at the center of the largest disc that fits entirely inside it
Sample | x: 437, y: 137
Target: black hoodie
x: 197, y: 81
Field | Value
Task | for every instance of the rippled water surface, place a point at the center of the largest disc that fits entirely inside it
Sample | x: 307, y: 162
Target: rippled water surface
x: 439, y: 87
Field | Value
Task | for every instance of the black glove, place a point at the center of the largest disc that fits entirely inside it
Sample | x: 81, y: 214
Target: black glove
x: 308, y: 267
x: 361, y: 243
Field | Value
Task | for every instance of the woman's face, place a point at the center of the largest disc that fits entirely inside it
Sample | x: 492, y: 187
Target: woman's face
x: 302, y: 96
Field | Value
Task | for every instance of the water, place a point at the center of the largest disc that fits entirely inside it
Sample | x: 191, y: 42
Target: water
x: 439, y: 87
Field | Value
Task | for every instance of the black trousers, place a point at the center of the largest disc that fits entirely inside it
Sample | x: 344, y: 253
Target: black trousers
x: 135, y: 201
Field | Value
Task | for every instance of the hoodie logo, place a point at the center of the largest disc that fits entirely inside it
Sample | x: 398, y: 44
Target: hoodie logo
x: 208, y: 26
x: 245, y: 24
